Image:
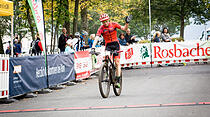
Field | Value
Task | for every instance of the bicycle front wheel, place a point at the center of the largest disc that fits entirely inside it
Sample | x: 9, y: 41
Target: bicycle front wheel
x: 117, y: 91
x: 104, y: 81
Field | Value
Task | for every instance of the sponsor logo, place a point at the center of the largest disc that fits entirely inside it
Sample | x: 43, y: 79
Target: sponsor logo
x: 184, y: 52
x: 36, y: 8
x: 17, y: 69
x: 144, y: 52
x: 129, y: 53
x: 41, y: 72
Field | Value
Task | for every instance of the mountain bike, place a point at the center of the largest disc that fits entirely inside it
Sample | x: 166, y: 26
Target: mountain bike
x: 107, y: 75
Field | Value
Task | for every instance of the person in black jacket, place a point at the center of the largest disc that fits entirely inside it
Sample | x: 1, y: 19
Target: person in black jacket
x: 38, y: 45
x: 62, y: 40
x: 130, y: 38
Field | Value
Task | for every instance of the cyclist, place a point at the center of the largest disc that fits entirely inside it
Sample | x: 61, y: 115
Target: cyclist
x: 109, y: 33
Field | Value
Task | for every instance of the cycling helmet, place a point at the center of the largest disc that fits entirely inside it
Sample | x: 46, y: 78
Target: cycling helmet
x: 77, y: 34
x: 104, y: 17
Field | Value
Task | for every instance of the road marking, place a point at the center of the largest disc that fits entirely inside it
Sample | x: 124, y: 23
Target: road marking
x: 105, y: 107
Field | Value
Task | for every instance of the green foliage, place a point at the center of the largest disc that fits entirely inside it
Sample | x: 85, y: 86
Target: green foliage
x: 144, y: 41
x: 168, y: 13
x: 179, y: 39
x: 4, y: 30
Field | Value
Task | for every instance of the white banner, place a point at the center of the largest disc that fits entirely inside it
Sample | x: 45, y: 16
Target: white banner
x: 181, y: 50
x: 135, y: 53
x: 139, y: 54
x: 82, y: 64
x: 37, y: 10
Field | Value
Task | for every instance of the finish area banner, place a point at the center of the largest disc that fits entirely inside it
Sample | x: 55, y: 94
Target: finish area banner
x: 171, y: 51
x: 181, y: 51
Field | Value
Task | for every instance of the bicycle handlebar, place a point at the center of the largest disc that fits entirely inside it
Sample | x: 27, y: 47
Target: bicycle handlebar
x: 113, y: 51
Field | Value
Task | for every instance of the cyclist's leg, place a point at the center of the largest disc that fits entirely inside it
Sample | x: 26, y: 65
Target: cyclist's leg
x: 118, y: 72
x: 117, y: 61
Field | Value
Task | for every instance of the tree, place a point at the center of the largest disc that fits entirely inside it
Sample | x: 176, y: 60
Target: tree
x: 116, y: 9
x: 67, y: 16
x: 4, y: 30
x: 84, y: 13
x: 25, y: 18
x: 75, y: 20
x: 173, y: 12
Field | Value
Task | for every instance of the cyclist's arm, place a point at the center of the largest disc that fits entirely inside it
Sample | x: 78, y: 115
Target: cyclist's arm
x: 95, y: 41
x: 125, y: 27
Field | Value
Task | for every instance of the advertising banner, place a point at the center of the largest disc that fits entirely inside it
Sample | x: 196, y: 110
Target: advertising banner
x: 27, y: 74
x: 83, y: 64
x: 135, y: 53
x: 173, y: 52
x: 180, y: 50
x: 60, y: 68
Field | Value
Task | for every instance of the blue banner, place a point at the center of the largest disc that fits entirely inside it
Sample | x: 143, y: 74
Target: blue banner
x: 27, y: 74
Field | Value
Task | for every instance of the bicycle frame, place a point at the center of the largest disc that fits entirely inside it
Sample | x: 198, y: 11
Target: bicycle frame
x: 111, y: 59
x: 107, y: 75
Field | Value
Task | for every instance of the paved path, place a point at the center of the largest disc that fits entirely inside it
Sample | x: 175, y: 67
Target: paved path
x: 147, y: 92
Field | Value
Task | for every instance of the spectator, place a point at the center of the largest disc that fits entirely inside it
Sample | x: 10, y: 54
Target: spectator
x: 130, y: 38
x: 69, y: 47
x: 8, y: 51
x: 38, y: 45
x: 76, y: 41
x: 16, y: 37
x: 166, y: 38
x: 156, y: 37
x: 91, y: 40
x: 17, y: 48
x: 32, y: 48
x: 83, y: 36
x: 62, y: 40
x: 122, y: 40
x: 165, y: 35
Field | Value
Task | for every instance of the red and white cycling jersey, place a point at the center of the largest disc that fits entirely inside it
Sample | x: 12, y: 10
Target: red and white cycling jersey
x: 109, y: 33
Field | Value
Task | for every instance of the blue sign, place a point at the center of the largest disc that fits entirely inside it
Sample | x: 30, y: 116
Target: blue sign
x: 28, y: 74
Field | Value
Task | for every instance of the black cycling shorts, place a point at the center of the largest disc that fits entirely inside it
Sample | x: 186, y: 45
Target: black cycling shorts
x: 113, y: 46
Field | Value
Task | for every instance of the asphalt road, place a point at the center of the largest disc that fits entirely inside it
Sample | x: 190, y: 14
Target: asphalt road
x: 172, y: 91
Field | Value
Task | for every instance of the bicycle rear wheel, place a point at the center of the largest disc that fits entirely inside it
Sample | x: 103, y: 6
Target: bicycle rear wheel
x: 104, y: 81
x: 117, y: 91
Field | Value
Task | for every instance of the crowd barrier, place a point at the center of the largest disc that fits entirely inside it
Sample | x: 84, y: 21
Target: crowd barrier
x: 28, y: 74
x: 87, y: 64
x: 4, y: 76
x: 164, y: 53
x: 83, y: 64
x: 147, y: 54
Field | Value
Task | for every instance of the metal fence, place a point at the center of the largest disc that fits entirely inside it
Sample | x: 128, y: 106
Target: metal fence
x: 4, y: 76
